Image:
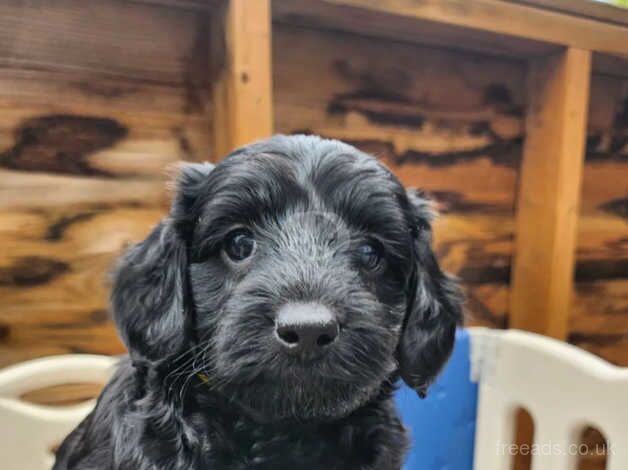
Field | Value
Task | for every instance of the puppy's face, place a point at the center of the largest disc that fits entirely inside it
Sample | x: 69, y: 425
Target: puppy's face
x: 300, y: 275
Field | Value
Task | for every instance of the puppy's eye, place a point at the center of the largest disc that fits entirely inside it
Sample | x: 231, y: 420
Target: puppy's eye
x: 370, y: 254
x: 239, y: 244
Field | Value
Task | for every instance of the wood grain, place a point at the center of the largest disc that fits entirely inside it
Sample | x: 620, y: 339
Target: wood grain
x: 53, y: 275
x: 606, y: 12
x: 388, y: 25
x: 241, y: 62
x: 549, y: 193
x: 599, y: 319
x: 497, y: 16
x: 104, y: 39
x: 92, y: 118
x: 203, y: 5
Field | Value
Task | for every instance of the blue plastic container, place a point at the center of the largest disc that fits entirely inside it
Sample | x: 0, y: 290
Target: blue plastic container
x: 442, y: 426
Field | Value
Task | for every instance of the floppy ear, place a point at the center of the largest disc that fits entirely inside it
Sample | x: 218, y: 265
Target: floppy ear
x: 149, y: 296
x: 434, y: 307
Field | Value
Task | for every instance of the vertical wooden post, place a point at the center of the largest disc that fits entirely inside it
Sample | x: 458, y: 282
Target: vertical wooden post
x: 549, y: 192
x: 242, y: 74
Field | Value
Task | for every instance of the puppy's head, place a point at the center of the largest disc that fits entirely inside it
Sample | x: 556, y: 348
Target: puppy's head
x: 298, y: 274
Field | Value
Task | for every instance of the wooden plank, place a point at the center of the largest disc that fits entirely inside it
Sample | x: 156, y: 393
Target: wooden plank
x: 588, y: 8
x: 104, y: 127
x: 202, y: 5
x: 612, y: 65
x: 599, y: 322
x: 88, y: 181
x: 325, y: 82
x: 599, y: 315
x: 323, y: 15
x: 146, y: 43
x: 24, y: 191
x: 242, y: 70
x: 87, y: 133
x: 73, y: 72
x: 55, y: 262
x: 496, y: 16
x: 329, y: 16
x: 549, y: 193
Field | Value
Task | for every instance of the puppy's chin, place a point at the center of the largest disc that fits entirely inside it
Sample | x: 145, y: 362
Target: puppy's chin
x: 273, y: 402
x: 284, y: 389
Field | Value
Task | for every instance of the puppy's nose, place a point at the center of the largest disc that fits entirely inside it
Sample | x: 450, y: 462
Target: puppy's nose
x: 305, y: 329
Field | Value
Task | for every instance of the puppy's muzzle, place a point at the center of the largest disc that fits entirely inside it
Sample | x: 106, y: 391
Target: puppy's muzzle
x: 306, y: 330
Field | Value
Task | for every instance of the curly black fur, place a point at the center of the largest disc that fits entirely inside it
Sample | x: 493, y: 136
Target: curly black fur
x: 207, y: 386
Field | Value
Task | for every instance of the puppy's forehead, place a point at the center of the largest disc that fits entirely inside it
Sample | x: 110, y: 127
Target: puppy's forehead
x: 244, y: 187
x: 306, y: 173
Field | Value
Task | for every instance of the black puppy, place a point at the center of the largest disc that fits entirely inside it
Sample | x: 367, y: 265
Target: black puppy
x: 269, y: 316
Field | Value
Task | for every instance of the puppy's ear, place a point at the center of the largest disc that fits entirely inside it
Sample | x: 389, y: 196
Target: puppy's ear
x: 150, y: 293
x: 434, y: 307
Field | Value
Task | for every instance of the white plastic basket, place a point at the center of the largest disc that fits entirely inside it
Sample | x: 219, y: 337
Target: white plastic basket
x: 28, y: 431
x: 564, y: 388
